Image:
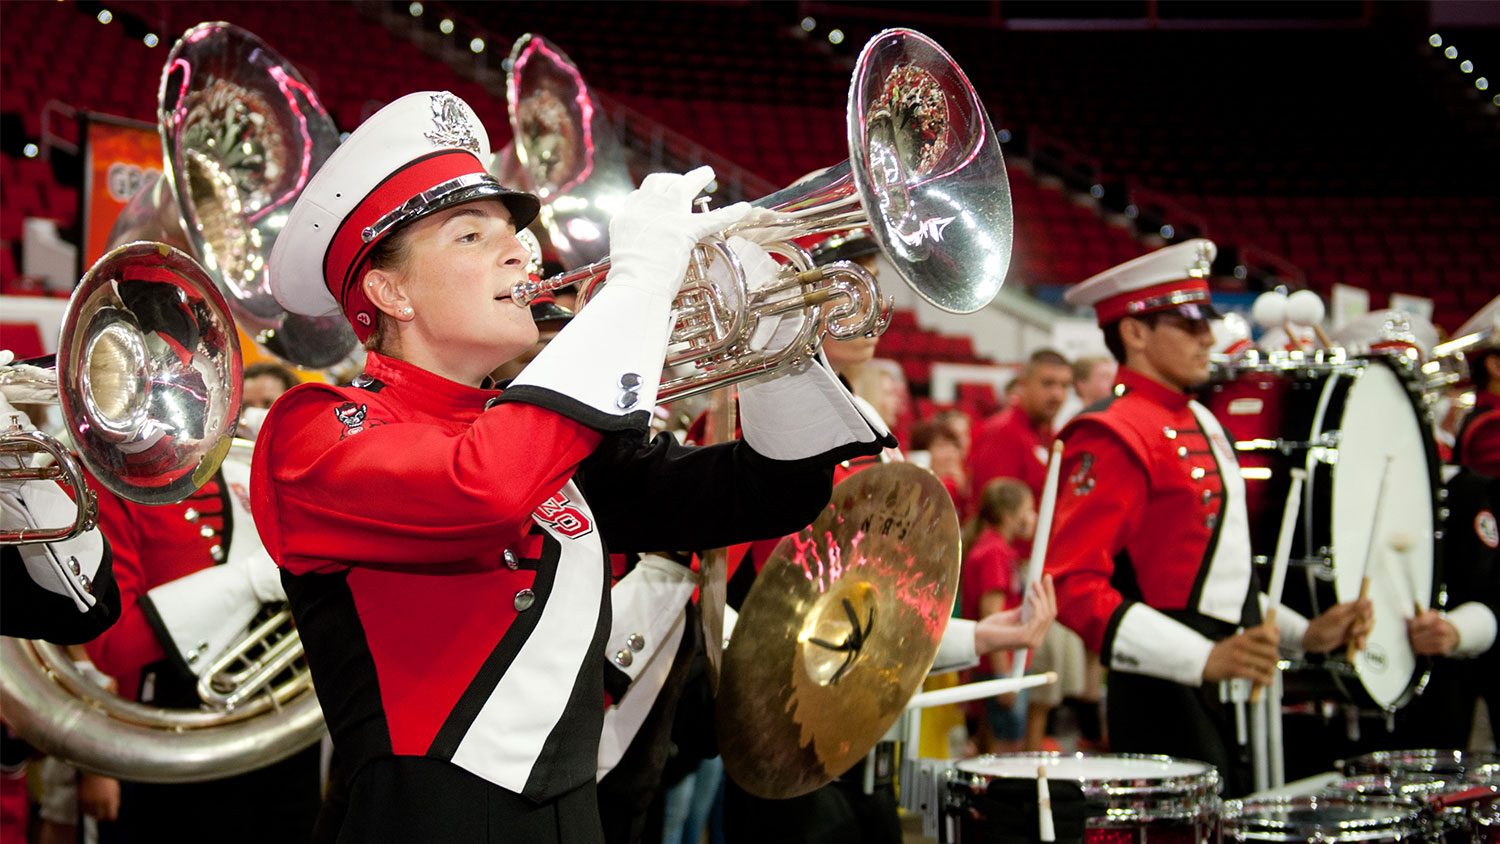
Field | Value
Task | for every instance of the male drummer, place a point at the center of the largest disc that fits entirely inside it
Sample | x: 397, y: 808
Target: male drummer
x: 1150, y: 544
x: 1443, y: 716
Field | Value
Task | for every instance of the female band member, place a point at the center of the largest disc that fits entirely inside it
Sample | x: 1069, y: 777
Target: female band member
x: 443, y: 543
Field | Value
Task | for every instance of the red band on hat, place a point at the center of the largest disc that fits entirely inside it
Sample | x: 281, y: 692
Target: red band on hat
x: 348, y: 251
x: 1166, y: 296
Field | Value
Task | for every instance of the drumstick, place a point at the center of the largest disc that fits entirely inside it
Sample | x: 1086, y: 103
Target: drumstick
x: 1045, y: 831
x: 1039, y: 543
x: 1400, y: 542
x: 1283, y: 554
x: 1364, y: 577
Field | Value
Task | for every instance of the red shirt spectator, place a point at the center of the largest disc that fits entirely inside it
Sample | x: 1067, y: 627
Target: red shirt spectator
x: 990, y: 567
x: 1014, y: 442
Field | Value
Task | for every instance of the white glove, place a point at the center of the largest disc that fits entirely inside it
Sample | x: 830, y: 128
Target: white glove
x: 66, y: 567
x: 203, y: 613
x: 31, y: 385
x: 803, y: 411
x: 604, y: 368
x: 654, y: 233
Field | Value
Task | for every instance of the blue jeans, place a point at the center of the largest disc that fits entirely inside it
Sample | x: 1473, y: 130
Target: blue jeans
x: 685, y: 815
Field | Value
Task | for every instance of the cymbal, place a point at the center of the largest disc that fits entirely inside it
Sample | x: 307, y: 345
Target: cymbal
x: 838, y: 631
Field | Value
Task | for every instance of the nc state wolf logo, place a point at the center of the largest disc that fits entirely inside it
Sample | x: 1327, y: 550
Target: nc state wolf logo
x: 560, y: 515
x: 351, y: 416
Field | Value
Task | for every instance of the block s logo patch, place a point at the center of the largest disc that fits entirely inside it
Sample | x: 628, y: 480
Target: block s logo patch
x: 559, y: 514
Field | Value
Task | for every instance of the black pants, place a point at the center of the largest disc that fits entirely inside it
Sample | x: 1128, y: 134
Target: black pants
x: 837, y: 813
x: 276, y: 803
x: 412, y: 798
x: 1148, y: 715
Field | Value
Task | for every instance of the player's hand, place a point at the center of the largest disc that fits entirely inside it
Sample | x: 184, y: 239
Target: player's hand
x: 1431, y: 634
x: 99, y: 796
x: 1250, y: 655
x: 1343, y: 624
x: 1016, y: 628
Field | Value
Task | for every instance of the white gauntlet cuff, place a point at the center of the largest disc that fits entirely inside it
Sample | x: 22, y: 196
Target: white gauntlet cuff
x: 199, y: 616
x: 1475, y: 624
x: 604, y: 368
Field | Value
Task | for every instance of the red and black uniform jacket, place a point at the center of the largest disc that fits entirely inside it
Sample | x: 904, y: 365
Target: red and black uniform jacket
x: 1471, y: 535
x: 444, y: 551
x: 153, y: 545
x: 1150, y: 545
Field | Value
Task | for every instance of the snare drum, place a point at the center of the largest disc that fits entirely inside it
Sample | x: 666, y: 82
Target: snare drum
x: 1145, y: 799
x: 1448, y: 764
x: 1340, y: 419
x: 1322, y: 819
x: 1454, y: 787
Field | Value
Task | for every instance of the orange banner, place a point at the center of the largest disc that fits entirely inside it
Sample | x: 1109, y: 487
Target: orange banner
x: 119, y: 158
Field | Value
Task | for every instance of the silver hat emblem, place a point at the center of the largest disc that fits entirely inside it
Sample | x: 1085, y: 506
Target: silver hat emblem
x: 450, y: 124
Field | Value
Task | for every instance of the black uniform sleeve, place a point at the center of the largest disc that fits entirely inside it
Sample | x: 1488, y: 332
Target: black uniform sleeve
x: 28, y: 611
x: 657, y: 494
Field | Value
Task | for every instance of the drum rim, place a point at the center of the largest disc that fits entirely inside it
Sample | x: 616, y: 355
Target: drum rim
x: 1204, y: 781
x: 1408, y: 820
x: 1425, y: 759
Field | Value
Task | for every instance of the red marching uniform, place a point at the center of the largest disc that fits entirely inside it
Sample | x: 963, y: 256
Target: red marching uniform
x: 1150, y: 543
x: 154, y: 546
x: 1007, y: 445
x: 464, y: 627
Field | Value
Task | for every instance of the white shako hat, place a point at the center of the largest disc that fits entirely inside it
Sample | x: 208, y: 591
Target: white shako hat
x: 1174, y: 278
x: 420, y: 154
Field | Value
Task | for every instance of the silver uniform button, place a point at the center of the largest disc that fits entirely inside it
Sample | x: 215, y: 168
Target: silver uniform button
x: 205, y: 531
x: 1198, y: 473
x: 636, y: 641
x: 1169, y: 433
x: 1182, y: 451
x: 627, y: 399
x: 217, y: 552
x: 88, y: 585
x: 190, y: 514
x: 1211, y: 521
x: 510, y: 560
x: 1207, y: 496
x: 524, y: 599
x: 73, y: 565
x: 623, y: 658
x: 630, y: 381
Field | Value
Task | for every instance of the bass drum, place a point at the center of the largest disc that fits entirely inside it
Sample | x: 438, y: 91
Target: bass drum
x: 1360, y: 429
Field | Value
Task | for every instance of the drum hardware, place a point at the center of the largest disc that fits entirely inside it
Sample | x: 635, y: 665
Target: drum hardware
x: 838, y: 631
x: 1366, y: 403
x: 925, y: 175
x: 1118, y: 797
x: 922, y: 779
x: 1321, y: 819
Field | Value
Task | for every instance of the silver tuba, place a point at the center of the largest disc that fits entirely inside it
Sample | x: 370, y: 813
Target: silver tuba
x: 924, y: 174
x: 148, y: 375
x: 563, y: 149
x: 242, y: 134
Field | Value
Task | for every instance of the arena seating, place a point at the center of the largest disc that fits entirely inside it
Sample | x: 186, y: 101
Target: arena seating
x: 1343, y: 158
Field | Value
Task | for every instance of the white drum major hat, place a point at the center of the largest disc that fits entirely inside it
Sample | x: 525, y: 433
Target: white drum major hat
x: 420, y: 154
x: 1174, y: 278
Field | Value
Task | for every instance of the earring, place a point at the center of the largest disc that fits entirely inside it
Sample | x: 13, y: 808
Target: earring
x: 408, y: 312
